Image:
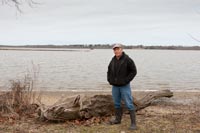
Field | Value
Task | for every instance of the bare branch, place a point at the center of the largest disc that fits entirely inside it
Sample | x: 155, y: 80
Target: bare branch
x: 193, y: 37
x: 18, y: 3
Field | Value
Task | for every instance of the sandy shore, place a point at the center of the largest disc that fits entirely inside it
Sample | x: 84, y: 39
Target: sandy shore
x: 183, y: 98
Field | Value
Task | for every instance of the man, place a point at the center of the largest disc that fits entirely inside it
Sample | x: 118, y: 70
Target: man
x: 121, y: 72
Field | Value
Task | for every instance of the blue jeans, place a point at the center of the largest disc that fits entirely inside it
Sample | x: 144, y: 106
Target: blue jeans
x: 122, y: 93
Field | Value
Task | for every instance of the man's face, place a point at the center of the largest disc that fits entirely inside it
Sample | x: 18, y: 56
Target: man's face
x: 118, y: 51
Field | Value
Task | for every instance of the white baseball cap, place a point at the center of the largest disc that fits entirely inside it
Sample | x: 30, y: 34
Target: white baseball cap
x: 117, y: 45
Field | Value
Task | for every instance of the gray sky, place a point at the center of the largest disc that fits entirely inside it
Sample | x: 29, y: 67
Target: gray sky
x: 147, y: 22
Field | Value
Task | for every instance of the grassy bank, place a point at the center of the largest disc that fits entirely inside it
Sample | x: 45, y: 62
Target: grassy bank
x: 180, y: 113
x: 156, y: 118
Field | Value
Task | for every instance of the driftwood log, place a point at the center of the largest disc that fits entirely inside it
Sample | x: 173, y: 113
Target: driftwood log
x: 84, y: 107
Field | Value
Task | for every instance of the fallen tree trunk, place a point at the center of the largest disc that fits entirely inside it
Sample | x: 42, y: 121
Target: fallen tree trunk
x: 81, y: 107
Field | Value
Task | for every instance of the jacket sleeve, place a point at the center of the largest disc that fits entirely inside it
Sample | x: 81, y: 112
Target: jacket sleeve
x: 132, y: 70
x: 108, y: 72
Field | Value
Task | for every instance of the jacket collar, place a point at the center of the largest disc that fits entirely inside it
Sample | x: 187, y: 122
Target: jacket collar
x: 122, y: 60
x: 122, y: 56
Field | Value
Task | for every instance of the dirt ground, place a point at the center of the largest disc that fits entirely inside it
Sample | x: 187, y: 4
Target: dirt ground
x: 179, y: 114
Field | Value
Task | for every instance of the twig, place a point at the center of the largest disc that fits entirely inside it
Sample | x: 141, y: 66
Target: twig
x: 193, y: 37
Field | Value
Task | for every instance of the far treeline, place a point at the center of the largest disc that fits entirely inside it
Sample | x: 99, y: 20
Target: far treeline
x: 106, y: 46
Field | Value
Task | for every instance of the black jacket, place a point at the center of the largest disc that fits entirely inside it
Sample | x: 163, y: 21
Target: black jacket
x: 122, y: 71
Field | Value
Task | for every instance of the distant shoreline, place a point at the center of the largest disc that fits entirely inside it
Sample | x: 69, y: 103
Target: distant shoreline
x: 42, y: 49
x: 91, y: 47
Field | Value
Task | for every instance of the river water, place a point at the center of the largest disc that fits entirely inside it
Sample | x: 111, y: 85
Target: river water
x: 80, y: 70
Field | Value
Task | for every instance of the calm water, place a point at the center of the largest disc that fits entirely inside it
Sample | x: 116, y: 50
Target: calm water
x: 86, y: 70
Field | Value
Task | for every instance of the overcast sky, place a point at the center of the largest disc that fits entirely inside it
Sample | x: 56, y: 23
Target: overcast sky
x: 146, y: 22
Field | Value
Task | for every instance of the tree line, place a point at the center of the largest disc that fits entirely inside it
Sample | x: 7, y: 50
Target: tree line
x: 105, y: 46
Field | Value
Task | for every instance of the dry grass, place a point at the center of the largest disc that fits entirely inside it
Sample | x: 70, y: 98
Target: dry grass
x: 20, y: 98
